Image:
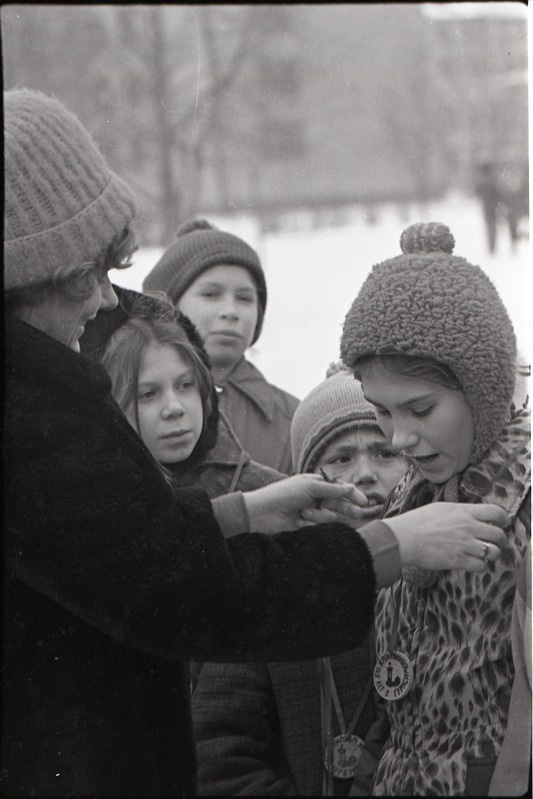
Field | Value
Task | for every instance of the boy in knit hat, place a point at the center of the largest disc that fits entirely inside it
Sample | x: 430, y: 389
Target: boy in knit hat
x: 269, y: 718
x: 216, y: 279
x: 435, y: 350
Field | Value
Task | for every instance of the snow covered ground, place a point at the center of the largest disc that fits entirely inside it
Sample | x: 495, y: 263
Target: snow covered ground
x: 315, y: 265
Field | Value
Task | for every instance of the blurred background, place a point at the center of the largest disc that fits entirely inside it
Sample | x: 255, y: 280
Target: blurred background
x: 317, y: 132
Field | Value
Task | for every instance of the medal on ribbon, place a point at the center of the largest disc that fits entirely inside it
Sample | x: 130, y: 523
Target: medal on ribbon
x: 345, y: 752
x: 341, y: 752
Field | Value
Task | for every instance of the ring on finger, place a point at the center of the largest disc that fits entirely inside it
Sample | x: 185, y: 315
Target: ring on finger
x: 485, y: 552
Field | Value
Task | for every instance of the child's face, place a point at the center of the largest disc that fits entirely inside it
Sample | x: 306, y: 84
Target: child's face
x: 430, y: 424
x: 169, y: 404
x: 364, y: 457
x: 222, y: 303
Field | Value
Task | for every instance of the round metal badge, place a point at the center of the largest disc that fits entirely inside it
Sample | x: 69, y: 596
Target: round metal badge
x: 393, y: 675
x: 346, y: 751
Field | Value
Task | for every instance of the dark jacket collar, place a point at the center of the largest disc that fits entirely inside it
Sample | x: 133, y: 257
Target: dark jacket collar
x: 32, y: 354
x: 248, y: 380
x: 228, y: 450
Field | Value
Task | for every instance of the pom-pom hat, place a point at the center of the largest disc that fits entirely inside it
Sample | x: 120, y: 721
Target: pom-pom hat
x: 430, y: 303
x: 63, y: 205
x: 199, y: 246
x: 335, y: 406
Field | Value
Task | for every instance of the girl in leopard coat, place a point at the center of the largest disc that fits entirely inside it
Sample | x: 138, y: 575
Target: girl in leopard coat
x: 435, y: 349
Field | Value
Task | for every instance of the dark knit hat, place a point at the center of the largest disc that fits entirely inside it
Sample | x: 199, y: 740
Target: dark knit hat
x: 335, y: 406
x: 430, y: 303
x: 199, y: 246
x: 63, y: 205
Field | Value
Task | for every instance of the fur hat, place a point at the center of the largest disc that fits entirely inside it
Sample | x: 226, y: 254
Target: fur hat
x: 333, y: 407
x: 63, y: 205
x: 430, y: 303
x: 199, y: 246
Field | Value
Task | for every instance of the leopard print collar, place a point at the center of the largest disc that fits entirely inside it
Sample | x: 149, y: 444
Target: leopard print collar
x: 502, y: 477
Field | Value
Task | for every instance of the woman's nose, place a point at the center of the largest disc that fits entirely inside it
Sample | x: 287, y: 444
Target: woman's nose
x: 109, y: 299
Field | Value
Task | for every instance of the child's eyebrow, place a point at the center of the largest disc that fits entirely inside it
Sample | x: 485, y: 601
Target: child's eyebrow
x: 418, y: 398
x: 210, y: 283
x: 379, y: 444
x: 145, y: 381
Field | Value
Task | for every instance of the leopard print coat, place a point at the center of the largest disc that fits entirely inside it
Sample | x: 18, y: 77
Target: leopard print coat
x: 455, y: 628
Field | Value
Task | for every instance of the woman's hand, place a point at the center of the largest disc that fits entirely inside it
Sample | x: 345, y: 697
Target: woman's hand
x: 277, y: 507
x: 450, y: 535
x: 343, y: 512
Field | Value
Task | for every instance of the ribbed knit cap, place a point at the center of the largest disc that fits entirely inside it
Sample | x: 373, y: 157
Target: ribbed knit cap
x: 428, y: 302
x: 335, y: 406
x: 199, y: 246
x: 63, y: 205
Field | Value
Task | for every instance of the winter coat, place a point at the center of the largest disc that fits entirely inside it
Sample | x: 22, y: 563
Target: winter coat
x: 512, y: 775
x: 265, y: 721
x: 111, y: 579
x: 226, y: 467
x: 260, y: 414
x: 455, y: 628
x: 258, y: 726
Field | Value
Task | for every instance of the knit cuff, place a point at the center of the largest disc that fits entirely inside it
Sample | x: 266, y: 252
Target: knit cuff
x: 384, y: 550
x: 230, y: 512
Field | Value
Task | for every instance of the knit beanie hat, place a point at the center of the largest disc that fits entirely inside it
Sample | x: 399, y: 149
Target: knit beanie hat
x: 335, y: 406
x: 430, y: 303
x: 63, y: 206
x: 199, y: 246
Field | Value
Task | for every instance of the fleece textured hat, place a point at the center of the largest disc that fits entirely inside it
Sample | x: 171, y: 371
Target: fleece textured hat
x: 63, y: 206
x: 333, y: 407
x: 199, y: 246
x: 428, y: 302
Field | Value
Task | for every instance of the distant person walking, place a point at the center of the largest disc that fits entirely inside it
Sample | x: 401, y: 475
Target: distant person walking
x: 217, y: 280
x: 489, y: 194
x: 515, y: 197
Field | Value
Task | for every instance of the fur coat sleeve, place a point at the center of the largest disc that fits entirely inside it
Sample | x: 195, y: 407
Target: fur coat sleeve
x: 92, y: 524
